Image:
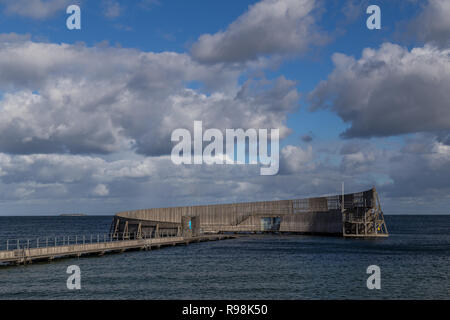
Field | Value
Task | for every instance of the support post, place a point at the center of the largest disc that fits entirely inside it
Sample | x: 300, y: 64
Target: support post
x: 125, y: 230
x: 139, y: 232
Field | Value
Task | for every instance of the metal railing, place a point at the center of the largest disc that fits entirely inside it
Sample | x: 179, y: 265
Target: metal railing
x: 55, y: 241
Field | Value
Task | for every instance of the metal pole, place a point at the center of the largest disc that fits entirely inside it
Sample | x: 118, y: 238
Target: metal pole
x: 37, y: 243
x: 342, y: 207
x: 7, y: 245
x: 18, y: 244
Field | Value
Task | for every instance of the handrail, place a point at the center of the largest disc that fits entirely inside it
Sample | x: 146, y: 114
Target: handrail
x: 66, y: 240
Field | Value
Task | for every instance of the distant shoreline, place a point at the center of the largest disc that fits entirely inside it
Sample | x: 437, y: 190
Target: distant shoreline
x: 72, y: 215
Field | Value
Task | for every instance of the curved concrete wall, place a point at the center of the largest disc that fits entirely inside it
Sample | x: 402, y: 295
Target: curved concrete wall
x: 314, y: 215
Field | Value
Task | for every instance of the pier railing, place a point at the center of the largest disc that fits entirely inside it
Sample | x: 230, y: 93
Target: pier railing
x: 27, y: 251
x: 65, y: 240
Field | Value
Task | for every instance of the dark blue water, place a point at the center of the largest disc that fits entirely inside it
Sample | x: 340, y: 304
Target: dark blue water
x: 414, y: 264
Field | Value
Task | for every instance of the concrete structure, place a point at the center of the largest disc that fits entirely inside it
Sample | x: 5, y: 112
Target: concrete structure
x: 350, y: 215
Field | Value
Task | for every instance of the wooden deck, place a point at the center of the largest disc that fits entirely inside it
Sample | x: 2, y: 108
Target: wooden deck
x: 26, y: 256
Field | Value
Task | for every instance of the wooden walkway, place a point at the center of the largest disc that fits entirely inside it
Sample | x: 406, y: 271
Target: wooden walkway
x: 25, y: 256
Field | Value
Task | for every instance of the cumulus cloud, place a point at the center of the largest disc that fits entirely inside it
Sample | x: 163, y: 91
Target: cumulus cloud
x: 78, y: 181
x: 89, y: 127
x: 432, y: 25
x: 46, y: 168
x: 268, y: 27
x: 35, y: 9
x: 76, y: 173
x: 67, y: 99
x: 72, y: 127
x: 389, y: 91
x: 156, y: 181
x: 295, y: 159
x: 422, y: 170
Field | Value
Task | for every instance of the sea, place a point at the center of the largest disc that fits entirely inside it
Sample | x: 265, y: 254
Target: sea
x: 414, y: 264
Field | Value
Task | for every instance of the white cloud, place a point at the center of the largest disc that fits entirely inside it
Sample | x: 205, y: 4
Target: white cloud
x: 433, y: 23
x: 268, y: 27
x: 294, y: 159
x: 35, y: 9
x: 389, y: 91
x: 75, y: 181
x: 421, y: 169
x: 67, y: 98
x: 78, y: 123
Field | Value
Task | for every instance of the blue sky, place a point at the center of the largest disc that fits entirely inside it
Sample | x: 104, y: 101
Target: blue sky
x: 73, y: 82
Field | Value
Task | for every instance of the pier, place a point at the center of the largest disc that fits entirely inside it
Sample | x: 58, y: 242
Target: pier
x: 48, y: 249
x: 355, y: 215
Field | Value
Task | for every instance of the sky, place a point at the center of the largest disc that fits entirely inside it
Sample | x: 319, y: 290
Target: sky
x: 86, y: 115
